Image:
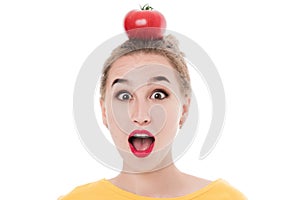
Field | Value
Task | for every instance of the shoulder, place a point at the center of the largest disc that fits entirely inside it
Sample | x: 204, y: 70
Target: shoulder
x: 87, y: 191
x: 206, y: 189
x: 223, y: 190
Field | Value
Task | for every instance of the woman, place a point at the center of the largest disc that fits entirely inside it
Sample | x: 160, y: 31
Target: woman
x: 145, y: 98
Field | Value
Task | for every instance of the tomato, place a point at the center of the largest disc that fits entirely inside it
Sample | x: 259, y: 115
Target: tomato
x: 145, y: 24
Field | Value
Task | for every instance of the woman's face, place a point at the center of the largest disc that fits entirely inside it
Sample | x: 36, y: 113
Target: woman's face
x: 143, y: 109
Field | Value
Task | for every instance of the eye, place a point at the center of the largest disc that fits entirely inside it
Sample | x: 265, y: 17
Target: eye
x: 124, y: 96
x: 159, y: 94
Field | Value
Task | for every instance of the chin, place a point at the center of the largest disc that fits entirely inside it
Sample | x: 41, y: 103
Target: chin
x: 157, y: 160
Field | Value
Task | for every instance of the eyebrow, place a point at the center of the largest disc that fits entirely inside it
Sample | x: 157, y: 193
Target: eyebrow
x: 159, y: 78
x: 119, y: 80
x: 153, y: 79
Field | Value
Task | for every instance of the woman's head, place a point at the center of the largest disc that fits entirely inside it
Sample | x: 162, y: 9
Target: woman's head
x: 145, y: 92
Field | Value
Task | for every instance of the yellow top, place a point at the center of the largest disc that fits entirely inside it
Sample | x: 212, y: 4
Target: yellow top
x: 104, y: 190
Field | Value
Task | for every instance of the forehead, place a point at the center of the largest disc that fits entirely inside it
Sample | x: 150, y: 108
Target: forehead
x: 128, y: 63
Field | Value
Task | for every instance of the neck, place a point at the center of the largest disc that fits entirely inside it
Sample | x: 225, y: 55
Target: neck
x: 160, y: 183
x: 153, y: 176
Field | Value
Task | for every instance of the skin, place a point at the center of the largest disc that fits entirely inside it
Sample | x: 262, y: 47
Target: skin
x: 157, y: 175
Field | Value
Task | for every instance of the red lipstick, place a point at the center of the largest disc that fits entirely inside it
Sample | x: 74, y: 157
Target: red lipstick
x: 141, y: 143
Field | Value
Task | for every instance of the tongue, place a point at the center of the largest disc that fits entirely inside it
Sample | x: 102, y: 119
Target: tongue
x: 142, y: 144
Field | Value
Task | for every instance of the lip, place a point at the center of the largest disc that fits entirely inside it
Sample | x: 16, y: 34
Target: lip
x: 139, y: 153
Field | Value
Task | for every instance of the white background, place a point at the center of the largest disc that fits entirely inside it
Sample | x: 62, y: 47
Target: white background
x: 255, y: 46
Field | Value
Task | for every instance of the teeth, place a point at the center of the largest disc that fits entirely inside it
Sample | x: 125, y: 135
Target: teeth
x: 142, y: 135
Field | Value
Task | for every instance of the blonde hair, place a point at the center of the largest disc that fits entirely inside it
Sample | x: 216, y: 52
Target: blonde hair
x: 166, y: 47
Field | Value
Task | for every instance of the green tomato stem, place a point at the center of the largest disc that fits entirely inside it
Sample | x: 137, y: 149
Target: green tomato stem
x: 146, y: 7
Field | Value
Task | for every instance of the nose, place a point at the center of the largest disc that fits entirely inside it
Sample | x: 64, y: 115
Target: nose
x: 140, y: 113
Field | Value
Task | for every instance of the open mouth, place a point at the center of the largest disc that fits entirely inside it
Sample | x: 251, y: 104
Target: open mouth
x: 141, y: 143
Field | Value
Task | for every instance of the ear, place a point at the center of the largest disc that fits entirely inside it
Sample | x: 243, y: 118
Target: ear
x: 185, y: 111
x: 103, y: 110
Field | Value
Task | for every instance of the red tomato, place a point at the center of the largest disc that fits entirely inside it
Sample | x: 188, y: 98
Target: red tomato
x: 145, y: 24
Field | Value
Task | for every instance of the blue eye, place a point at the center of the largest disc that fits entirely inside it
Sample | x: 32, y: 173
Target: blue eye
x: 124, y: 96
x: 159, y: 94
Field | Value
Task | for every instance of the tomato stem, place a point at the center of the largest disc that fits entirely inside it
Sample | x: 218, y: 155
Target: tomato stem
x: 146, y: 7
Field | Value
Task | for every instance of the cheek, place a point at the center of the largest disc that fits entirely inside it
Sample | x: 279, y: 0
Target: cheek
x: 114, y: 111
x: 117, y: 134
x: 173, y: 114
x: 167, y: 135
